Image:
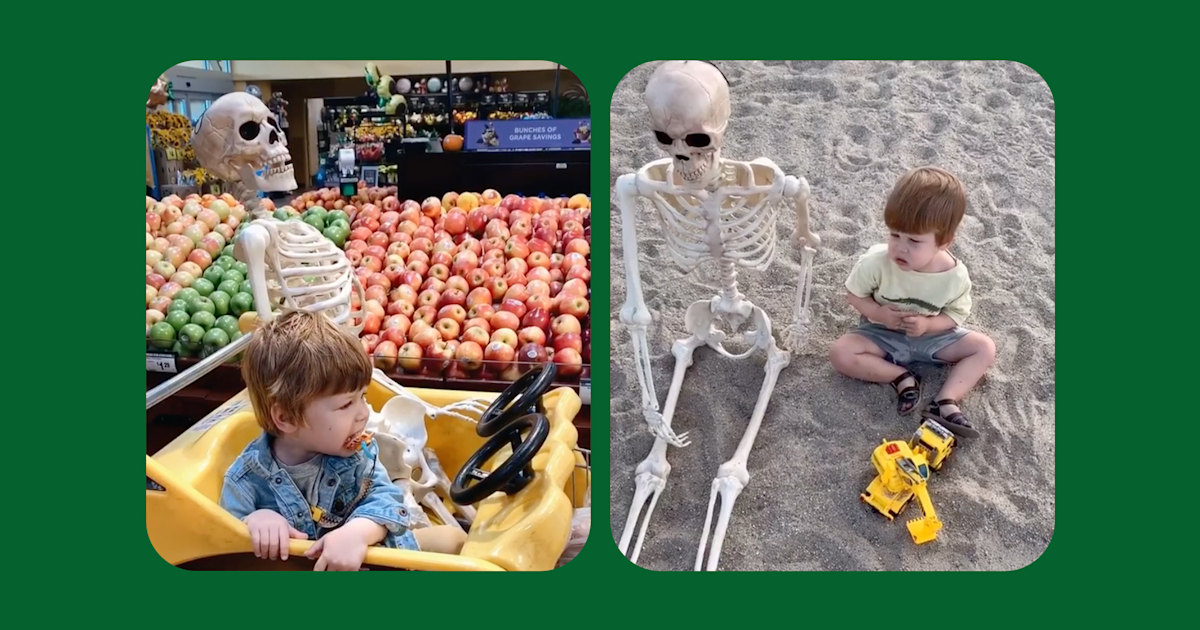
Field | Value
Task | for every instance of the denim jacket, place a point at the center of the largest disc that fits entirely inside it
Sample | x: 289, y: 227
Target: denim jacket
x: 255, y: 481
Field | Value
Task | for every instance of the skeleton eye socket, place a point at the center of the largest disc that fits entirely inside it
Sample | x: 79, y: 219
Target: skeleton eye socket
x: 662, y: 137
x: 248, y: 130
x: 697, y: 140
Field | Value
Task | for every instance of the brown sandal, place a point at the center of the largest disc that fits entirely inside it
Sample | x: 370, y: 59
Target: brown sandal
x: 907, y: 398
x: 956, y: 422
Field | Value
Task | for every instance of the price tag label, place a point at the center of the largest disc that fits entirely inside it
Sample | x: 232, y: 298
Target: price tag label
x: 157, y: 362
x: 585, y: 390
x: 216, y: 189
x: 561, y: 166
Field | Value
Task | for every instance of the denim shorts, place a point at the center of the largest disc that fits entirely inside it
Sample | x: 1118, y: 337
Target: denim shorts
x: 902, y: 349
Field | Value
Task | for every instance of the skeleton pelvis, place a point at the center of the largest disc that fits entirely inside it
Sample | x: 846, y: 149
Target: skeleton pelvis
x: 747, y: 324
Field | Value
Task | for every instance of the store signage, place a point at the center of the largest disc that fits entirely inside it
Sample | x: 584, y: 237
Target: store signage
x: 529, y: 135
x: 159, y: 362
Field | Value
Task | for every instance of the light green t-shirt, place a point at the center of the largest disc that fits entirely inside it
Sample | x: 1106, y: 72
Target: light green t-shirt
x: 948, y: 292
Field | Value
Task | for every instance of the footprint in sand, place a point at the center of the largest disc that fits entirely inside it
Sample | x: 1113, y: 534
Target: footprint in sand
x: 998, y: 100
x: 824, y: 88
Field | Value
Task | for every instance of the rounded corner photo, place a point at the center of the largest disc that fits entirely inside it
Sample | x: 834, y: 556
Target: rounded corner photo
x: 833, y: 316
x: 368, y: 315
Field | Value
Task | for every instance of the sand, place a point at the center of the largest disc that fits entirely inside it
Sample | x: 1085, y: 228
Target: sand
x: 851, y: 128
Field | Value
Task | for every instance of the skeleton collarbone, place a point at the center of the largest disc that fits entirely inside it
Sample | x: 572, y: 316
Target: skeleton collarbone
x: 734, y: 220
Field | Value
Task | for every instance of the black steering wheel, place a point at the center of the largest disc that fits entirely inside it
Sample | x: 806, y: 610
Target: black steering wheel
x: 518, y: 408
x: 525, y: 396
x: 512, y: 475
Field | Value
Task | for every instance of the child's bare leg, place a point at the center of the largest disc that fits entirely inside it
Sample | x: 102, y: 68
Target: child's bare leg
x: 858, y: 357
x: 972, y: 356
x: 440, y: 539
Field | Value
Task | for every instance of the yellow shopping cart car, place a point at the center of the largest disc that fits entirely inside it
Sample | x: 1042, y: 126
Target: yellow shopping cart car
x: 518, y: 467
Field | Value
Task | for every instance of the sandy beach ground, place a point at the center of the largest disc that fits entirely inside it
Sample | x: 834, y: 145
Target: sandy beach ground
x: 852, y: 128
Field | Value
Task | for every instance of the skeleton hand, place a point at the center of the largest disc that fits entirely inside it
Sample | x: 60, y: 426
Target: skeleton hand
x: 661, y: 430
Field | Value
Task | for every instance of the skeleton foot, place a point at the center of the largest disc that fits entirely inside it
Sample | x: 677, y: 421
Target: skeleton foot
x: 650, y: 479
x: 732, y: 477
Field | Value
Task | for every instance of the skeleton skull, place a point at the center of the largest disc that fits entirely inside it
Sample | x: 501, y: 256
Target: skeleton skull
x: 239, y: 136
x: 689, y: 110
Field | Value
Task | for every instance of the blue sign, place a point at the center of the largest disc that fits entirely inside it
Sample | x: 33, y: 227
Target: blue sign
x: 528, y: 135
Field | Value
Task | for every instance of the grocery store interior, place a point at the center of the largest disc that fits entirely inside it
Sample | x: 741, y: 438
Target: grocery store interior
x: 439, y: 211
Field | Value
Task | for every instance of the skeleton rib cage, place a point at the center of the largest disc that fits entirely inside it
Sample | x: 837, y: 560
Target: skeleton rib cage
x: 738, y: 226
x: 308, y: 272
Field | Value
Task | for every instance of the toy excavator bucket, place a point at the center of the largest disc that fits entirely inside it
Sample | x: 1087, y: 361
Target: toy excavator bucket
x: 923, y: 529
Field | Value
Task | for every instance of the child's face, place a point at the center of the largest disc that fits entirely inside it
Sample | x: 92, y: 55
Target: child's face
x: 332, y: 422
x: 913, y: 252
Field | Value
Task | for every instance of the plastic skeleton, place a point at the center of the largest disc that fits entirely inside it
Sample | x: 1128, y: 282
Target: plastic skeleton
x: 709, y: 208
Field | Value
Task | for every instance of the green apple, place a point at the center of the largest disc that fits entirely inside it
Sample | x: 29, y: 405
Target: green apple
x: 199, y: 303
x: 337, y: 235
x: 215, y: 338
x: 204, y: 319
x: 241, y: 268
x: 245, y: 287
x: 191, y: 336
x: 234, y: 275
x: 162, y: 335
x: 187, y: 294
x: 203, y: 286
x: 229, y: 287
x: 229, y: 324
x: 337, y: 215
x: 178, y: 305
x: 315, y: 221
x: 240, y: 303
x: 213, y: 274
x: 220, y: 300
x: 177, y: 318
x: 225, y: 262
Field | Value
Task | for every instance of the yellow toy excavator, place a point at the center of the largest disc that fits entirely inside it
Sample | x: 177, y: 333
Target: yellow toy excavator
x: 903, y: 470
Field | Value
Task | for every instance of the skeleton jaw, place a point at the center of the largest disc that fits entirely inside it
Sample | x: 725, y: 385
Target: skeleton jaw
x: 701, y: 170
x: 278, y: 176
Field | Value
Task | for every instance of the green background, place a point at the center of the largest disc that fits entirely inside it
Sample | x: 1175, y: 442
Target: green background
x: 1122, y: 549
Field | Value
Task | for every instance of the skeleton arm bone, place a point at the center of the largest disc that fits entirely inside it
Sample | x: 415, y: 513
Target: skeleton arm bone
x: 796, y: 188
x: 634, y: 313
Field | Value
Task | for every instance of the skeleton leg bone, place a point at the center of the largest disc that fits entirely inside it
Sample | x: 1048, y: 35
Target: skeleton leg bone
x: 732, y: 476
x: 651, y: 475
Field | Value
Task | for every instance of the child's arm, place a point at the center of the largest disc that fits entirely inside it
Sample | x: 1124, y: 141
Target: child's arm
x: 876, y: 312
x: 380, y: 512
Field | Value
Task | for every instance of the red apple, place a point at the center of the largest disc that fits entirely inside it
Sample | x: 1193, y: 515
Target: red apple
x: 428, y: 314
x: 504, y: 319
x: 516, y: 265
x: 411, y: 278
x: 574, y: 287
x: 536, y: 317
x: 453, y: 297
x: 515, y: 307
x: 573, y: 305
x: 481, y: 310
x: 422, y: 243
x: 434, y: 284
x: 577, y: 246
x: 539, y: 245
x: 360, y: 233
x: 432, y: 207
x: 476, y: 278
x: 375, y: 293
x: 449, y: 328
x: 512, y: 277
x: 564, y: 324
x: 464, y: 263
x: 370, y: 342
x: 497, y: 228
x: 532, y: 334
x: 397, y: 320
x: 427, y: 336
x: 540, y: 273
x: 456, y: 222
x: 516, y: 292
x: 379, y: 279
x: 569, y: 361
x: 532, y: 353
x: 469, y: 355
x: 157, y: 281
x: 410, y: 357
x: 582, y: 273
x: 567, y: 340
x: 543, y: 302
x: 539, y: 259
x: 395, y: 334
x: 497, y: 286
x: 459, y: 283
x: 439, y: 271
x: 429, y: 297
x: 354, y: 256
x: 379, y: 238
x: 449, y: 200
x: 476, y: 221
x: 453, y: 311
x: 371, y: 262
x: 417, y: 326
x: 499, y: 355
x: 516, y: 247
x: 475, y: 334
x: 371, y: 323
x: 538, y: 287
x: 506, y: 336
